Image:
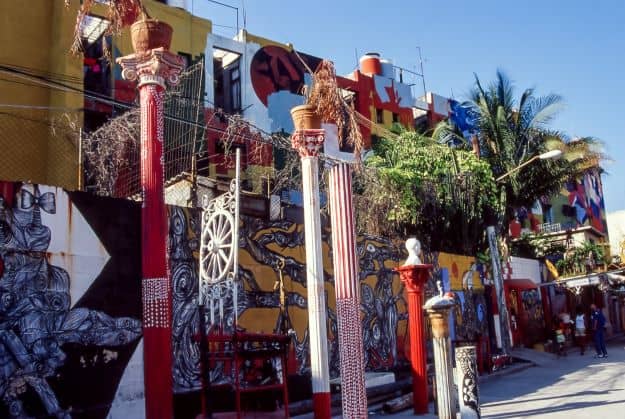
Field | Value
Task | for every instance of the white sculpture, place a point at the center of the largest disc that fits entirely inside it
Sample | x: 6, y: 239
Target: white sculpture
x: 414, y: 250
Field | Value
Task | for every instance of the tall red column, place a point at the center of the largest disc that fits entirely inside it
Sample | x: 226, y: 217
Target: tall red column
x: 414, y: 278
x: 152, y: 69
x: 347, y: 288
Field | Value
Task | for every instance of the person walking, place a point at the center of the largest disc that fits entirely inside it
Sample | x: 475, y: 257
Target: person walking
x: 580, y: 330
x: 597, y: 320
x: 558, y: 336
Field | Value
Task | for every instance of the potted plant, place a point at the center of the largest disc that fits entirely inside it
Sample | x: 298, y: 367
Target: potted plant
x: 325, y: 103
x: 146, y: 33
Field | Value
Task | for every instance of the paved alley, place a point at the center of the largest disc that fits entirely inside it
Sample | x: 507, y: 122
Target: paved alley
x: 570, y: 387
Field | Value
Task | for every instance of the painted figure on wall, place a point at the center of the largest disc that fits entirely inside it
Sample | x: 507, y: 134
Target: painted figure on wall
x: 383, y: 305
x: 39, y: 321
x: 584, y: 199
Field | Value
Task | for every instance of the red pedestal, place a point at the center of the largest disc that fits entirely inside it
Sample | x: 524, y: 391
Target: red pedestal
x: 414, y: 277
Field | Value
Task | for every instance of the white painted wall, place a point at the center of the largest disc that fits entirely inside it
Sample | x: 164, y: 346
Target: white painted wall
x: 616, y: 230
x: 129, y: 401
x: 440, y: 103
x: 74, y: 246
x: 523, y: 268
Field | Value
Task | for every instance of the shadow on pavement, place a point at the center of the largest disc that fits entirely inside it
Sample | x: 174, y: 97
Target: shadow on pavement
x: 552, y: 409
x: 560, y: 396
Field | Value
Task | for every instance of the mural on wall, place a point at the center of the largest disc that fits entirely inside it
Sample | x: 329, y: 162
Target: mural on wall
x: 580, y: 203
x: 277, y: 77
x: 585, y: 196
x: 383, y: 303
x: 70, y: 299
x: 533, y: 310
x: 265, y: 249
x: 58, y: 327
x: 462, y: 275
x: 184, y: 233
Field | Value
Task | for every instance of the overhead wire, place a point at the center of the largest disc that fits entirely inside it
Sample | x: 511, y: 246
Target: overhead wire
x: 273, y: 139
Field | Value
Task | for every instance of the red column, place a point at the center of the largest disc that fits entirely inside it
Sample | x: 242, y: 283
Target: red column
x: 347, y: 288
x: 156, y: 295
x: 414, y: 278
x: 153, y: 68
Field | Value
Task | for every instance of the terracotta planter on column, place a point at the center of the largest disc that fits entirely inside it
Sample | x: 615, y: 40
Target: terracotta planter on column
x: 147, y: 34
x: 305, y: 117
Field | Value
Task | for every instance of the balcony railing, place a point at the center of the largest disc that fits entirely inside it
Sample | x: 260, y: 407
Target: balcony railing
x: 550, y: 227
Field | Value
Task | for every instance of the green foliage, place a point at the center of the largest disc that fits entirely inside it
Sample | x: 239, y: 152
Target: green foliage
x: 581, y: 260
x: 535, y: 246
x: 512, y: 131
x: 412, y: 185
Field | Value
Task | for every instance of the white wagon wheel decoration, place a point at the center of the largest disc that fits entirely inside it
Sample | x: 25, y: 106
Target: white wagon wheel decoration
x: 216, y: 252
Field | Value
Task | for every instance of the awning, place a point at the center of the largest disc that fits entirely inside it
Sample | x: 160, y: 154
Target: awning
x: 580, y: 282
x: 524, y: 284
x: 598, y: 278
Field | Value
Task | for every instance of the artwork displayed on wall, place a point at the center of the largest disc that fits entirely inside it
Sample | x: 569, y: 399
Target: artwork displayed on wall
x: 264, y: 248
x: 580, y: 203
x: 65, y: 258
x: 70, y: 299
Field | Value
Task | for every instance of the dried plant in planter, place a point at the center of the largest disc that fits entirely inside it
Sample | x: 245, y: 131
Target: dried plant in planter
x: 330, y: 105
x: 121, y: 13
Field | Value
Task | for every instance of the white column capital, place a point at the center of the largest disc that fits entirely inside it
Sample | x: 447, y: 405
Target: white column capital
x: 308, y: 142
x: 155, y: 66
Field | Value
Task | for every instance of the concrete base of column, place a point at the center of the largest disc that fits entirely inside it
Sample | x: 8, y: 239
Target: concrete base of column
x: 445, y: 394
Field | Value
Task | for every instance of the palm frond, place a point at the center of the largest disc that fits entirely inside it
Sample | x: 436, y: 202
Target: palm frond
x: 505, y: 91
x: 543, y: 109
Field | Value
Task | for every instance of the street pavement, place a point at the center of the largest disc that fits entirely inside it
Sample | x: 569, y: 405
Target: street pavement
x: 571, y: 387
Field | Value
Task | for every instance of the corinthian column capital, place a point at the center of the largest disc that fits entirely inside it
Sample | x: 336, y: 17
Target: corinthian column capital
x: 308, y: 142
x: 156, y: 66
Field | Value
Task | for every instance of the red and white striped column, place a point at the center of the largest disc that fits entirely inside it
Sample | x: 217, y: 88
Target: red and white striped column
x: 153, y: 68
x: 347, y: 288
x: 307, y: 143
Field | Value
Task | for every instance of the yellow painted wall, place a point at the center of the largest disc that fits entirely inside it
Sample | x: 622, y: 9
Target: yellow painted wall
x: 262, y: 319
x: 36, y: 38
x: 458, y: 266
x: 259, y: 318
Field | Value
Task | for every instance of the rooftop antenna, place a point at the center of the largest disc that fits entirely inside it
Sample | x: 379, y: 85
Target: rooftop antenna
x: 421, y: 69
x: 236, y: 9
x: 244, y: 14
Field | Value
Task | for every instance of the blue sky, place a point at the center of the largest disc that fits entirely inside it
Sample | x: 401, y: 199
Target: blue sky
x: 574, y: 48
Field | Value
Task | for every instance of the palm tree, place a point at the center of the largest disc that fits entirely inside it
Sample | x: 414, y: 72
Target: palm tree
x: 512, y: 131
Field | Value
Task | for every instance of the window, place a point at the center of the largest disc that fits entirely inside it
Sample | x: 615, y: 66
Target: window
x: 379, y: 116
x: 235, y: 89
x: 395, y: 117
x: 227, y: 79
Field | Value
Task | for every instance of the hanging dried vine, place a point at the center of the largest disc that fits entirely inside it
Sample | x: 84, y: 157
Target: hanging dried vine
x: 120, y: 13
